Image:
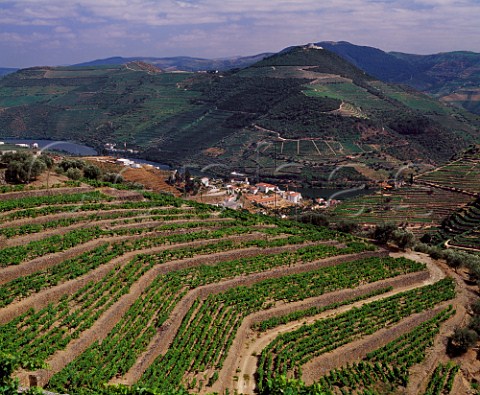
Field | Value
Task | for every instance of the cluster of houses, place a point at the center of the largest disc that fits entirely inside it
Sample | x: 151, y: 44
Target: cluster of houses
x: 240, y: 193
x: 266, y: 189
x: 111, y: 147
x: 33, y: 146
x: 128, y: 163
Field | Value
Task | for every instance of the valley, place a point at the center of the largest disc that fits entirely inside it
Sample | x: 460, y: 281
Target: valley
x: 325, y: 108
x: 225, y: 272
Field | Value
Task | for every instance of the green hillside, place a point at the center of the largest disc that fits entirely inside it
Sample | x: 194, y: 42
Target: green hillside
x: 185, y: 63
x: 452, y: 77
x: 92, y: 105
x: 304, y: 107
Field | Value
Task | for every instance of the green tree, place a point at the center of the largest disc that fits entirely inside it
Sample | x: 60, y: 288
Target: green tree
x: 383, y: 232
x: 403, y: 238
x: 74, y: 173
x: 114, y: 178
x: 347, y: 226
x: 475, y: 324
x: 47, y: 159
x: 67, y: 163
x: 476, y: 307
x: 315, y: 219
x: 454, y: 259
x: 92, y: 172
x: 461, y: 340
x: 23, y: 167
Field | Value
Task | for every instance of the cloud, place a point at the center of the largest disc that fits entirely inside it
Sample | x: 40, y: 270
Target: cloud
x: 16, y: 38
x: 216, y: 28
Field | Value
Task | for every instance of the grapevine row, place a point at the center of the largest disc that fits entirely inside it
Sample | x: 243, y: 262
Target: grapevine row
x: 138, y: 338
x: 292, y: 350
x: 185, y: 354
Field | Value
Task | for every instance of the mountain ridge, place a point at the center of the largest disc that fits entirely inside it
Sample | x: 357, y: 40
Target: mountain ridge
x: 7, y: 70
x: 309, y: 106
x: 453, y: 77
x: 184, y: 63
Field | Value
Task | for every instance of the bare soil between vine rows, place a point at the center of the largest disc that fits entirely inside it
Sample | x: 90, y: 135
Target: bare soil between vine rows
x: 107, y: 321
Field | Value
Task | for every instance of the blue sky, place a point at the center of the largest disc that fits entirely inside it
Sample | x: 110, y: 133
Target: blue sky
x: 56, y: 32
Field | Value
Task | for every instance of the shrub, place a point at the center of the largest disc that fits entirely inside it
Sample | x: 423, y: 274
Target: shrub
x: 66, y: 164
x: 92, y: 172
x: 454, y: 259
x: 23, y: 167
x: 114, y: 178
x: 403, y: 238
x: 422, y: 247
x: 474, y: 325
x: 74, y: 173
x: 346, y: 226
x: 383, y: 232
x: 315, y: 219
x: 476, y: 307
x: 461, y: 340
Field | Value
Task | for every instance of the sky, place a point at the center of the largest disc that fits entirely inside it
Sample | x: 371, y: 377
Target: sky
x: 61, y: 32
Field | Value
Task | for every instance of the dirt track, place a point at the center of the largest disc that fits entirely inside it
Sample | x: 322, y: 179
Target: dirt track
x: 107, y: 321
x: 164, y: 337
x: 254, y: 343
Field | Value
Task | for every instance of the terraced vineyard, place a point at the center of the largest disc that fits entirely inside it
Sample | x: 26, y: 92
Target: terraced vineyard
x: 420, y: 207
x: 460, y: 174
x: 461, y: 229
x: 98, y: 291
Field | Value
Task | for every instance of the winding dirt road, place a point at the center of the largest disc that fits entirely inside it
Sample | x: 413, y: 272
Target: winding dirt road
x: 161, y: 342
x: 254, y: 343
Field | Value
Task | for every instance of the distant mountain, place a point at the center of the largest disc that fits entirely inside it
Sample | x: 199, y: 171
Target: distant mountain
x: 6, y: 70
x: 453, y: 77
x: 184, y: 63
x: 375, y: 62
x: 305, y: 109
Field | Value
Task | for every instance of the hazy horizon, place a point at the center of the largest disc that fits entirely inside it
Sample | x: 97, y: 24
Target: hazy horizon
x: 53, y: 32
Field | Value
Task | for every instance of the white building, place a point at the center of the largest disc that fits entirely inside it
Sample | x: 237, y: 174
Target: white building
x: 125, y: 162
x: 265, y: 188
x: 293, y: 197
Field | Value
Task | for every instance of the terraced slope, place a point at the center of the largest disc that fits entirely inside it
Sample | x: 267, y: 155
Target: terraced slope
x: 306, y: 104
x: 457, y: 178
x: 461, y: 229
x: 419, y: 207
x: 162, y: 292
x: 459, y: 175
